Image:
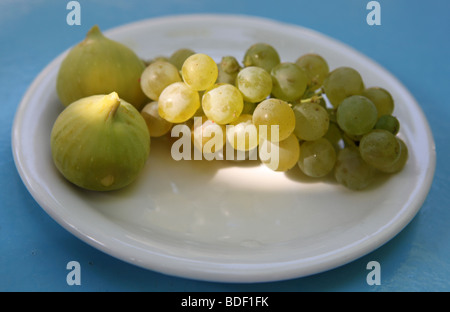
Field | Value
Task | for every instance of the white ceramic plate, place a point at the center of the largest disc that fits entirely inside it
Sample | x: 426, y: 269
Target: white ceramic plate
x: 220, y: 220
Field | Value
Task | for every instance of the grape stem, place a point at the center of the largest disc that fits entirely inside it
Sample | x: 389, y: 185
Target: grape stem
x: 314, y: 99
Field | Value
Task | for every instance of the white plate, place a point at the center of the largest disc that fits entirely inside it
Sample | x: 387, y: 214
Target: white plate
x: 223, y: 221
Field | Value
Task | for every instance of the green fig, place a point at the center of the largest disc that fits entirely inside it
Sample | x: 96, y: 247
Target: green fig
x: 99, y: 65
x: 100, y: 142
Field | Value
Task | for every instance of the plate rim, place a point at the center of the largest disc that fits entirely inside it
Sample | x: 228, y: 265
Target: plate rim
x: 282, y: 270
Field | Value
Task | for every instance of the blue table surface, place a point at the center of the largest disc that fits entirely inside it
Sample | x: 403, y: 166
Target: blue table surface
x: 412, y: 42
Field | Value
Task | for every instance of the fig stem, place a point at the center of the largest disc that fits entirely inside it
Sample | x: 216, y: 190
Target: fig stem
x: 94, y: 31
x: 113, y: 101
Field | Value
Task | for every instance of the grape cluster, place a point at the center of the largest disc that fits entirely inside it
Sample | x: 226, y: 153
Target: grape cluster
x: 326, y: 122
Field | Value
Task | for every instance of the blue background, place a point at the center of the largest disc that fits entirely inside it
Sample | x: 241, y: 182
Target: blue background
x: 412, y: 43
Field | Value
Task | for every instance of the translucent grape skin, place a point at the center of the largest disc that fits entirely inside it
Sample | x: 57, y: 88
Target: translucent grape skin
x: 179, y: 56
x: 157, y: 76
x: 223, y: 103
x: 254, y: 83
x: 352, y: 171
x: 311, y: 121
x: 157, y: 126
x: 242, y: 134
x: 289, y: 81
x: 178, y: 102
x: 356, y: 115
x: 316, y: 69
x: 249, y: 108
x: 334, y: 135
x: 341, y: 83
x: 389, y: 123
x: 207, y: 136
x: 400, y: 162
x: 262, y: 55
x: 379, y: 148
x: 381, y: 98
x: 155, y: 59
x: 274, y: 112
x: 228, y: 70
x: 199, y: 71
x: 285, y: 153
x: 317, y: 158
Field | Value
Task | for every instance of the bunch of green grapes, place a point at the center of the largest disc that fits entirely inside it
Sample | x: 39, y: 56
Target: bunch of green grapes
x: 292, y: 113
x: 364, y: 117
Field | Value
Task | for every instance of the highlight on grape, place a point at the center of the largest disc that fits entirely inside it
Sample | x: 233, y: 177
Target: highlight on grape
x: 237, y: 141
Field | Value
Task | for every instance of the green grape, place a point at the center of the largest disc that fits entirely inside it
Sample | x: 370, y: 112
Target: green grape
x: 352, y: 171
x: 356, y: 115
x: 334, y: 135
x: 354, y: 138
x: 382, y: 99
x: 331, y: 114
x: 155, y: 59
x: 199, y: 112
x: 400, y: 162
x: 307, y: 95
x: 228, y: 70
x: 262, y: 55
x: 274, y: 112
x: 317, y: 158
x: 230, y: 65
x: 223, y: 103
x: 280, y: 156
x: 179, y: 56
x: 311, y: 121
x: 157, y: 76
x: 242, y: 134
x: 389, y: 123
x: 249, y: 108
x: 254, y: 83
x: 342, y: 83
x: 199, y: 71
x: 207, y: 135
x: 178, y: 102
x: 321, y: 101
x: 157, y: 126
x: 316, y: 69
x: 379, y: 148
x: 289, y: 81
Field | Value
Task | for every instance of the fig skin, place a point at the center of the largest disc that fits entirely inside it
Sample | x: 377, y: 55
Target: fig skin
x: 99, y: 65
x: 100, y: 143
